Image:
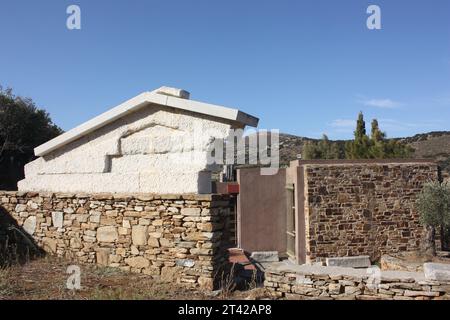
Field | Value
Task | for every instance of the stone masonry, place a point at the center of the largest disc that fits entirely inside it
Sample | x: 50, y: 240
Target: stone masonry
x: 363, y: 209
x: 336, y: 283
x: 170, y: 237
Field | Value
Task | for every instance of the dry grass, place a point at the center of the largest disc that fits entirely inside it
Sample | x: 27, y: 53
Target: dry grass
x: 45, y: 279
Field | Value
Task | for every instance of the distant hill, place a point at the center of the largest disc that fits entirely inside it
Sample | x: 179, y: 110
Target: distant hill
x: 432, y: 145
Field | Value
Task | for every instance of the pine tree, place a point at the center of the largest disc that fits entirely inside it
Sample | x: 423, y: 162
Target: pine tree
x: 376, y: 133
x: 360, y: 131
x: 378, y: 144
x: 359, y: 148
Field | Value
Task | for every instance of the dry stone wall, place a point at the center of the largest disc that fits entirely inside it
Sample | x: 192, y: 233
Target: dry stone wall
x: 171, y: 237
x: 363, y: 209
x: 333, y: 283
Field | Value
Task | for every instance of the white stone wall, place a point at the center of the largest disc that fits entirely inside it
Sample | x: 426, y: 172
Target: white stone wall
x: 155, y: 149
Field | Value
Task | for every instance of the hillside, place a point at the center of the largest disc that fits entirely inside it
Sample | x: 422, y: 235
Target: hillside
x: 432, y: 145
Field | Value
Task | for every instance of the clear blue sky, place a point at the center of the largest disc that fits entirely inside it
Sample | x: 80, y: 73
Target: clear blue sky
x: 304, y: 67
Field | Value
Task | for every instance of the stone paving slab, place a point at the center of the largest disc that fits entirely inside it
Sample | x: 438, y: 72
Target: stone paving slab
x: 390, y: 276
x: 350, y: 262
x: 437, y: 271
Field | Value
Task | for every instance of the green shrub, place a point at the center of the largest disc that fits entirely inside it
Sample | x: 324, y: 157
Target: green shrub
x: 433, y: 204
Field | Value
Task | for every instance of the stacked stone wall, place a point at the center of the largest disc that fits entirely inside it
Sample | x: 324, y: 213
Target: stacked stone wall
x: 363, y: 209
x: 178, y: 238
x: 331, y: 283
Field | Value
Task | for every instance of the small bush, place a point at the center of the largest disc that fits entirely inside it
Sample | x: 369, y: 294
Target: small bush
x: 433, y: 204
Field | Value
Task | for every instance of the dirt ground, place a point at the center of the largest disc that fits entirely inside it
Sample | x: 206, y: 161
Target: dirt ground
x: 45, y: 279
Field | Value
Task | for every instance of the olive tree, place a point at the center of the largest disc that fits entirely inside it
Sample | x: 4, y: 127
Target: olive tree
x: 433, y: 205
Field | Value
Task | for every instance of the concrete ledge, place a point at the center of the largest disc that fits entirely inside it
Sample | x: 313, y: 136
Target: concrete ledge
x: 349, y: 262
x: 437, y: 271
x: 115, y: 196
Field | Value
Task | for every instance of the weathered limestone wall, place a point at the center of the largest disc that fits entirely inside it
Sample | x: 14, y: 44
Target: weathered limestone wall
x: 334, y: 283
x: 363, y: 209
x: 171, y: 237
x: 155, y: 149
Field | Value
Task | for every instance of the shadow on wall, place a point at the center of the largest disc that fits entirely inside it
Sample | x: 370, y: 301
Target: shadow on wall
x: 16, y: 245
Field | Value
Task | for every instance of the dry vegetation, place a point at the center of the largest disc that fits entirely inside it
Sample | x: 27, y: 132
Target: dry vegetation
x: 46, y: 278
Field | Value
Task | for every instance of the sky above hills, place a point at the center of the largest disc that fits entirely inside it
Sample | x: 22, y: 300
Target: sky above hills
x: 304, y: 67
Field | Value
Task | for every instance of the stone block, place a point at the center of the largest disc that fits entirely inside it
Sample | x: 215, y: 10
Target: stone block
x: 21, y: 208
x: 137, y: 262
x: 126, y: 224
x: 30, y: 225
x: 352, y: 290
x: 49, y: 245
x: 57, y: 219
x: 168, y: 274
x: 349, y: 262
x: 188, y: 263
x: 134, y: 251
x: 75, y: 242
x: 190, y: 211
x: 95, y: 217
x: 335, y: 288
x: 139, y: 235
x: 437, y: 271
x: 411, y: 293
x: 153, y: 242
x: 265, y: 256
x: 102, y: 256
x: 107, y: 234
x: 302, y: 280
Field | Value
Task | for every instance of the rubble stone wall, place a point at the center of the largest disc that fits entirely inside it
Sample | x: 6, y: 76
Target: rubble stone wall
x: 332, y: 283
x: 171, y: 237
x: 363, y: 209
